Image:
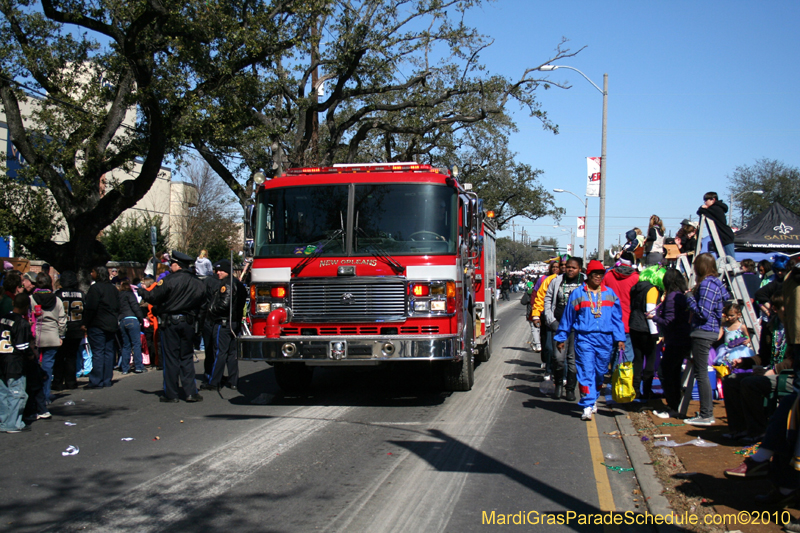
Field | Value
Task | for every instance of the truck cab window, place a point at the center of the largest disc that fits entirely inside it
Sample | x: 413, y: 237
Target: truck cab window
x: 298, y: 220
x: 410, y: 218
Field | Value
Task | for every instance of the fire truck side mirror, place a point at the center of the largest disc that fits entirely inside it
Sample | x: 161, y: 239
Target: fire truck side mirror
x: 249, y: 212
x: 249, y: 224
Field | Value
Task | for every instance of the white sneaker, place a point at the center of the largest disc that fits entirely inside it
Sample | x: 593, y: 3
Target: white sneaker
x: 661, y: 414
x: 547, y: 378
x: 44, y: 416
x: 587, y: 413
x: 537, y: 347
x: 594, y: 408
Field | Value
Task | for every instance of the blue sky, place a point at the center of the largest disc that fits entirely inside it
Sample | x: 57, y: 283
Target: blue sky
x: 695, y: 90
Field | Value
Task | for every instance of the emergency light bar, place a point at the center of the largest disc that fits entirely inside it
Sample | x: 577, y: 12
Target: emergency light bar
x: 366, y: 167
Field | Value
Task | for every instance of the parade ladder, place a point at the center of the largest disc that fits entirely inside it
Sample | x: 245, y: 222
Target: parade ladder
x: 732, y: 275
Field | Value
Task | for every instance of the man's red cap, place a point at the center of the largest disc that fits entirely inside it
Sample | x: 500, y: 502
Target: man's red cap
x: 593, y: 265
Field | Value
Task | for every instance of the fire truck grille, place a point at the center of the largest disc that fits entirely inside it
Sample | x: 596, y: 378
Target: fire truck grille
x: 355, y: 301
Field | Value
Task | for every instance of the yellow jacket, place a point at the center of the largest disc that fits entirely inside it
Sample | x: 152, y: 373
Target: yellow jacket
x: 538, y: 302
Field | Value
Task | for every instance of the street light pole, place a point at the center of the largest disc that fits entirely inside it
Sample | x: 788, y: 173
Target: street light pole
x: 572, y: 241
x: 601, y: 244
x: 585, y: 222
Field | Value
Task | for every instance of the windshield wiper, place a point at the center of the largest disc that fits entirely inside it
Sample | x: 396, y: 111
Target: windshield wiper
x: 383, y: 255
x: 305, y: 262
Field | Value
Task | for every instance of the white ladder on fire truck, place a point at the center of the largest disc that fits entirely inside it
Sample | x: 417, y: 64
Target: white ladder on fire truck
x: 732, y: 275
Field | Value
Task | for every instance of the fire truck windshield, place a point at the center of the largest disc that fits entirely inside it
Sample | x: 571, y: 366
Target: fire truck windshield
x: 404, y: 219
x: 395, y: 218
x: 295, y: 221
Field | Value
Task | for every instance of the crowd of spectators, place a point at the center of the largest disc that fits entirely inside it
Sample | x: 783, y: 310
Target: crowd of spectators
x: 107, y: 328
x: 669, y: 325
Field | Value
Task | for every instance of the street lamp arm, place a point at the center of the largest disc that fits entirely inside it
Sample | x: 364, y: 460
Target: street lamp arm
x: 554, y: 67
x: 737, y: 195
x: 584, y: 202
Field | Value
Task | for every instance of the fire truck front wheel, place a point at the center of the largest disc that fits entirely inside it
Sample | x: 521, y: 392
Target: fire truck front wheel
x: 293, y: 377
x: 460, y: 376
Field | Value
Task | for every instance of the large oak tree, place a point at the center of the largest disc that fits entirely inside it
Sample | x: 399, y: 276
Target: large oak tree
x: 382, y: 80
x: 71, y: 72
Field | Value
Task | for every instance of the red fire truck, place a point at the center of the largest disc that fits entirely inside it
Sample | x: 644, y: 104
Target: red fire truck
x: 368, y: 264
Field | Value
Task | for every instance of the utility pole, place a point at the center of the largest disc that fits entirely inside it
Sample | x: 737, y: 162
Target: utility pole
x: 513, y: 232
x: 601, y: 246
x: 572, y: 241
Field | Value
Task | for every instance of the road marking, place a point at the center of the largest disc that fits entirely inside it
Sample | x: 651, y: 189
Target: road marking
x: 415, y: 481
x: 604, y: 496
x: 381, y: 423
x: 174, y: 495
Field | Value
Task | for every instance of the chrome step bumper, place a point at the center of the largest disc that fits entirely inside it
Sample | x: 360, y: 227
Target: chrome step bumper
x: 349, y: 350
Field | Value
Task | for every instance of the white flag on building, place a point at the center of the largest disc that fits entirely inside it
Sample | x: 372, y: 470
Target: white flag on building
x: 582, y: 227
x: 593, y: 176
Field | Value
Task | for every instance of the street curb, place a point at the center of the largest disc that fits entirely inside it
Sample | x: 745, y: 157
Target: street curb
x: 652, y: 489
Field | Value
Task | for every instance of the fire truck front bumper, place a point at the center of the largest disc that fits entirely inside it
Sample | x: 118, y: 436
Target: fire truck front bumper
x: 343, y: 351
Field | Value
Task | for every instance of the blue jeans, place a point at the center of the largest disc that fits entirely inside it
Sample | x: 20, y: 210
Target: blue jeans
x: 131, y: 342
x: 48, y: 360
x: 102, y: 343
x: 729, y: 250
x: 628, y: 350
x: 12, y: 403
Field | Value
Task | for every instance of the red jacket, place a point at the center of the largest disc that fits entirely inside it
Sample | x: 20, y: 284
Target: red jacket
x: 621, y: 280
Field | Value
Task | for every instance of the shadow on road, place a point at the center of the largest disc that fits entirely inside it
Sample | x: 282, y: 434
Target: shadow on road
x: 448, y: 454
x: 400, y: 385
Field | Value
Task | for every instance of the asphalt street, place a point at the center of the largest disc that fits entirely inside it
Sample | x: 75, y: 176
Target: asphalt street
x: 371, y: 449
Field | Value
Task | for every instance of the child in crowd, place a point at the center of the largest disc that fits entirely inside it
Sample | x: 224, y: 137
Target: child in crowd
x: 15, y: 332
x: 731, y: 330
x: 594, y: 313
x: 745, y: 392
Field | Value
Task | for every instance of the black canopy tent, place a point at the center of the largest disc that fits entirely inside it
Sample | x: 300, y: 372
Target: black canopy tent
x: 775, y: 230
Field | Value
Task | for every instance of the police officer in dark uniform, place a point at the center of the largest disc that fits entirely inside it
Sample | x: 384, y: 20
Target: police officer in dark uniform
x: 212, y: 285
x: 178, y: 296
x: 225, y: 312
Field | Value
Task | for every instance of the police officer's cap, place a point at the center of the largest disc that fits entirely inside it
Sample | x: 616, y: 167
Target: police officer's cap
x: 224, y: 265
x: 182, y: 259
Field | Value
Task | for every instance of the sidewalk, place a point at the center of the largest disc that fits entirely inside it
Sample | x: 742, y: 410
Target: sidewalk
x: 703, y: 470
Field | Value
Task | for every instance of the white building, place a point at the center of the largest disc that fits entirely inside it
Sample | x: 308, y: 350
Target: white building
x: 166, y: 198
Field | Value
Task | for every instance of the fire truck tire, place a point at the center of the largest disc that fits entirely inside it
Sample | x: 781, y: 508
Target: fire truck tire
x: 293, y: 377
x: 461, y: 376
x: 484, y: 351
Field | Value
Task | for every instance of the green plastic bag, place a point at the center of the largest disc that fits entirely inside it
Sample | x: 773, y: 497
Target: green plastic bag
x: 622, y: 381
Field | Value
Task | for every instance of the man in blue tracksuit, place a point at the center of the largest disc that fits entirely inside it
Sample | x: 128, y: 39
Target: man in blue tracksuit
x: 595, y: 314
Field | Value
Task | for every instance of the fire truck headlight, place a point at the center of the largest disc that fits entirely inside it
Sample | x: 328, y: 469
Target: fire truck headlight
x: 439, y: 305
x: 421, y: 306
x: 263, y: 308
